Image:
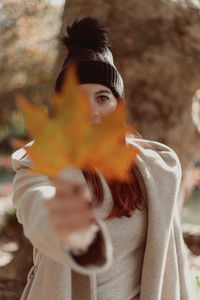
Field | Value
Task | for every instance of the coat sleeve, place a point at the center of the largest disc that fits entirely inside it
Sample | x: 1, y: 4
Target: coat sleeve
x: 177, y: 277
x: 30, y: 192
x: 165, y: 272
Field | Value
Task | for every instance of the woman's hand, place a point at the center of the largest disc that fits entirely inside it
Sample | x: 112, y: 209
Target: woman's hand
x: 69, y: 211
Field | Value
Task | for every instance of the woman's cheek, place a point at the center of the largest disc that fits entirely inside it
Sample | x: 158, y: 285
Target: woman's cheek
x: 108, y: 109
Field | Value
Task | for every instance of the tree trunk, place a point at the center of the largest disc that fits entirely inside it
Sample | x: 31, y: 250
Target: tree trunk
x: 156, y: 49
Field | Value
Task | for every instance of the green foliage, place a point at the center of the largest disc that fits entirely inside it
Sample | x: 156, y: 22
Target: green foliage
x: 6, y: 175
x: 10, y: 217
x: 197, y: 287
x: 197, y: 281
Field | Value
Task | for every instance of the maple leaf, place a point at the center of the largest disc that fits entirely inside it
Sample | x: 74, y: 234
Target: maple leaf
x: 69, y: 138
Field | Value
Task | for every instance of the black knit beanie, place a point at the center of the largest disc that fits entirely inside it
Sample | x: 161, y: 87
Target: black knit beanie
x: 88, y: 47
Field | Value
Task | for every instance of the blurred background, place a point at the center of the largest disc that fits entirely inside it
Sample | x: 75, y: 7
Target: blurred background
x: 156, y: 47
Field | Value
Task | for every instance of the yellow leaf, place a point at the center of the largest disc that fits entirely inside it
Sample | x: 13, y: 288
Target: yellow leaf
x: 69, y: 138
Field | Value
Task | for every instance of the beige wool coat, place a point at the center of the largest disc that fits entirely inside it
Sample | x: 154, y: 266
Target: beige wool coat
x: 165, y: 272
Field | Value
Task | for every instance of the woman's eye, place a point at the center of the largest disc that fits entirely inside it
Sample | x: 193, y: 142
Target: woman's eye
x: 102, y: 98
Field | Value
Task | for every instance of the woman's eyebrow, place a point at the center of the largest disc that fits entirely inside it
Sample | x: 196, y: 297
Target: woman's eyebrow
x: 103, y: 91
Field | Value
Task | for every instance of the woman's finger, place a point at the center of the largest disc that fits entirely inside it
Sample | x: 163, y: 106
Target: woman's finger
x: 71, y: 219
x: 67, y: 206
x: 75, y: 227
x: 69, y: 186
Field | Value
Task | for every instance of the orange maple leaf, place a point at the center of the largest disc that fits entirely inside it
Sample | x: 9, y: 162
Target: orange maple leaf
x: 69, y: 139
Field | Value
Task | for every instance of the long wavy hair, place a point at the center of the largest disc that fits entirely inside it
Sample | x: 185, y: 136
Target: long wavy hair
x: 126, y: 196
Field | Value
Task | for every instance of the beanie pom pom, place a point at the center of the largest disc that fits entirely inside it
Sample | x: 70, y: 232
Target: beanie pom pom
x: 87, y: 33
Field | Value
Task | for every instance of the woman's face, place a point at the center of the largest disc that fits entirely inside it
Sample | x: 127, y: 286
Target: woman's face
x: 101, y: 100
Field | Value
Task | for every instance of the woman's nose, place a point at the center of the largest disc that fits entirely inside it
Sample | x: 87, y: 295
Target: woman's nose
x: 96, y: 118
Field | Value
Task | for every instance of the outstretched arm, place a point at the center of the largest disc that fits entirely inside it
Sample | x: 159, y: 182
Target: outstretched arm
x: 31, y: 193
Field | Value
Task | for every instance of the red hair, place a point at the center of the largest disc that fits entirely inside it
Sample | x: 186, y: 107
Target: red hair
x: 126, y: 196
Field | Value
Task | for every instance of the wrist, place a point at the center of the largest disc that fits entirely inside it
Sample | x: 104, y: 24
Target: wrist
x: 79, y: 242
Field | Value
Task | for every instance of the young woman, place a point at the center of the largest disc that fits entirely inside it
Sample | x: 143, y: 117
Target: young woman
x: 133, y: 248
